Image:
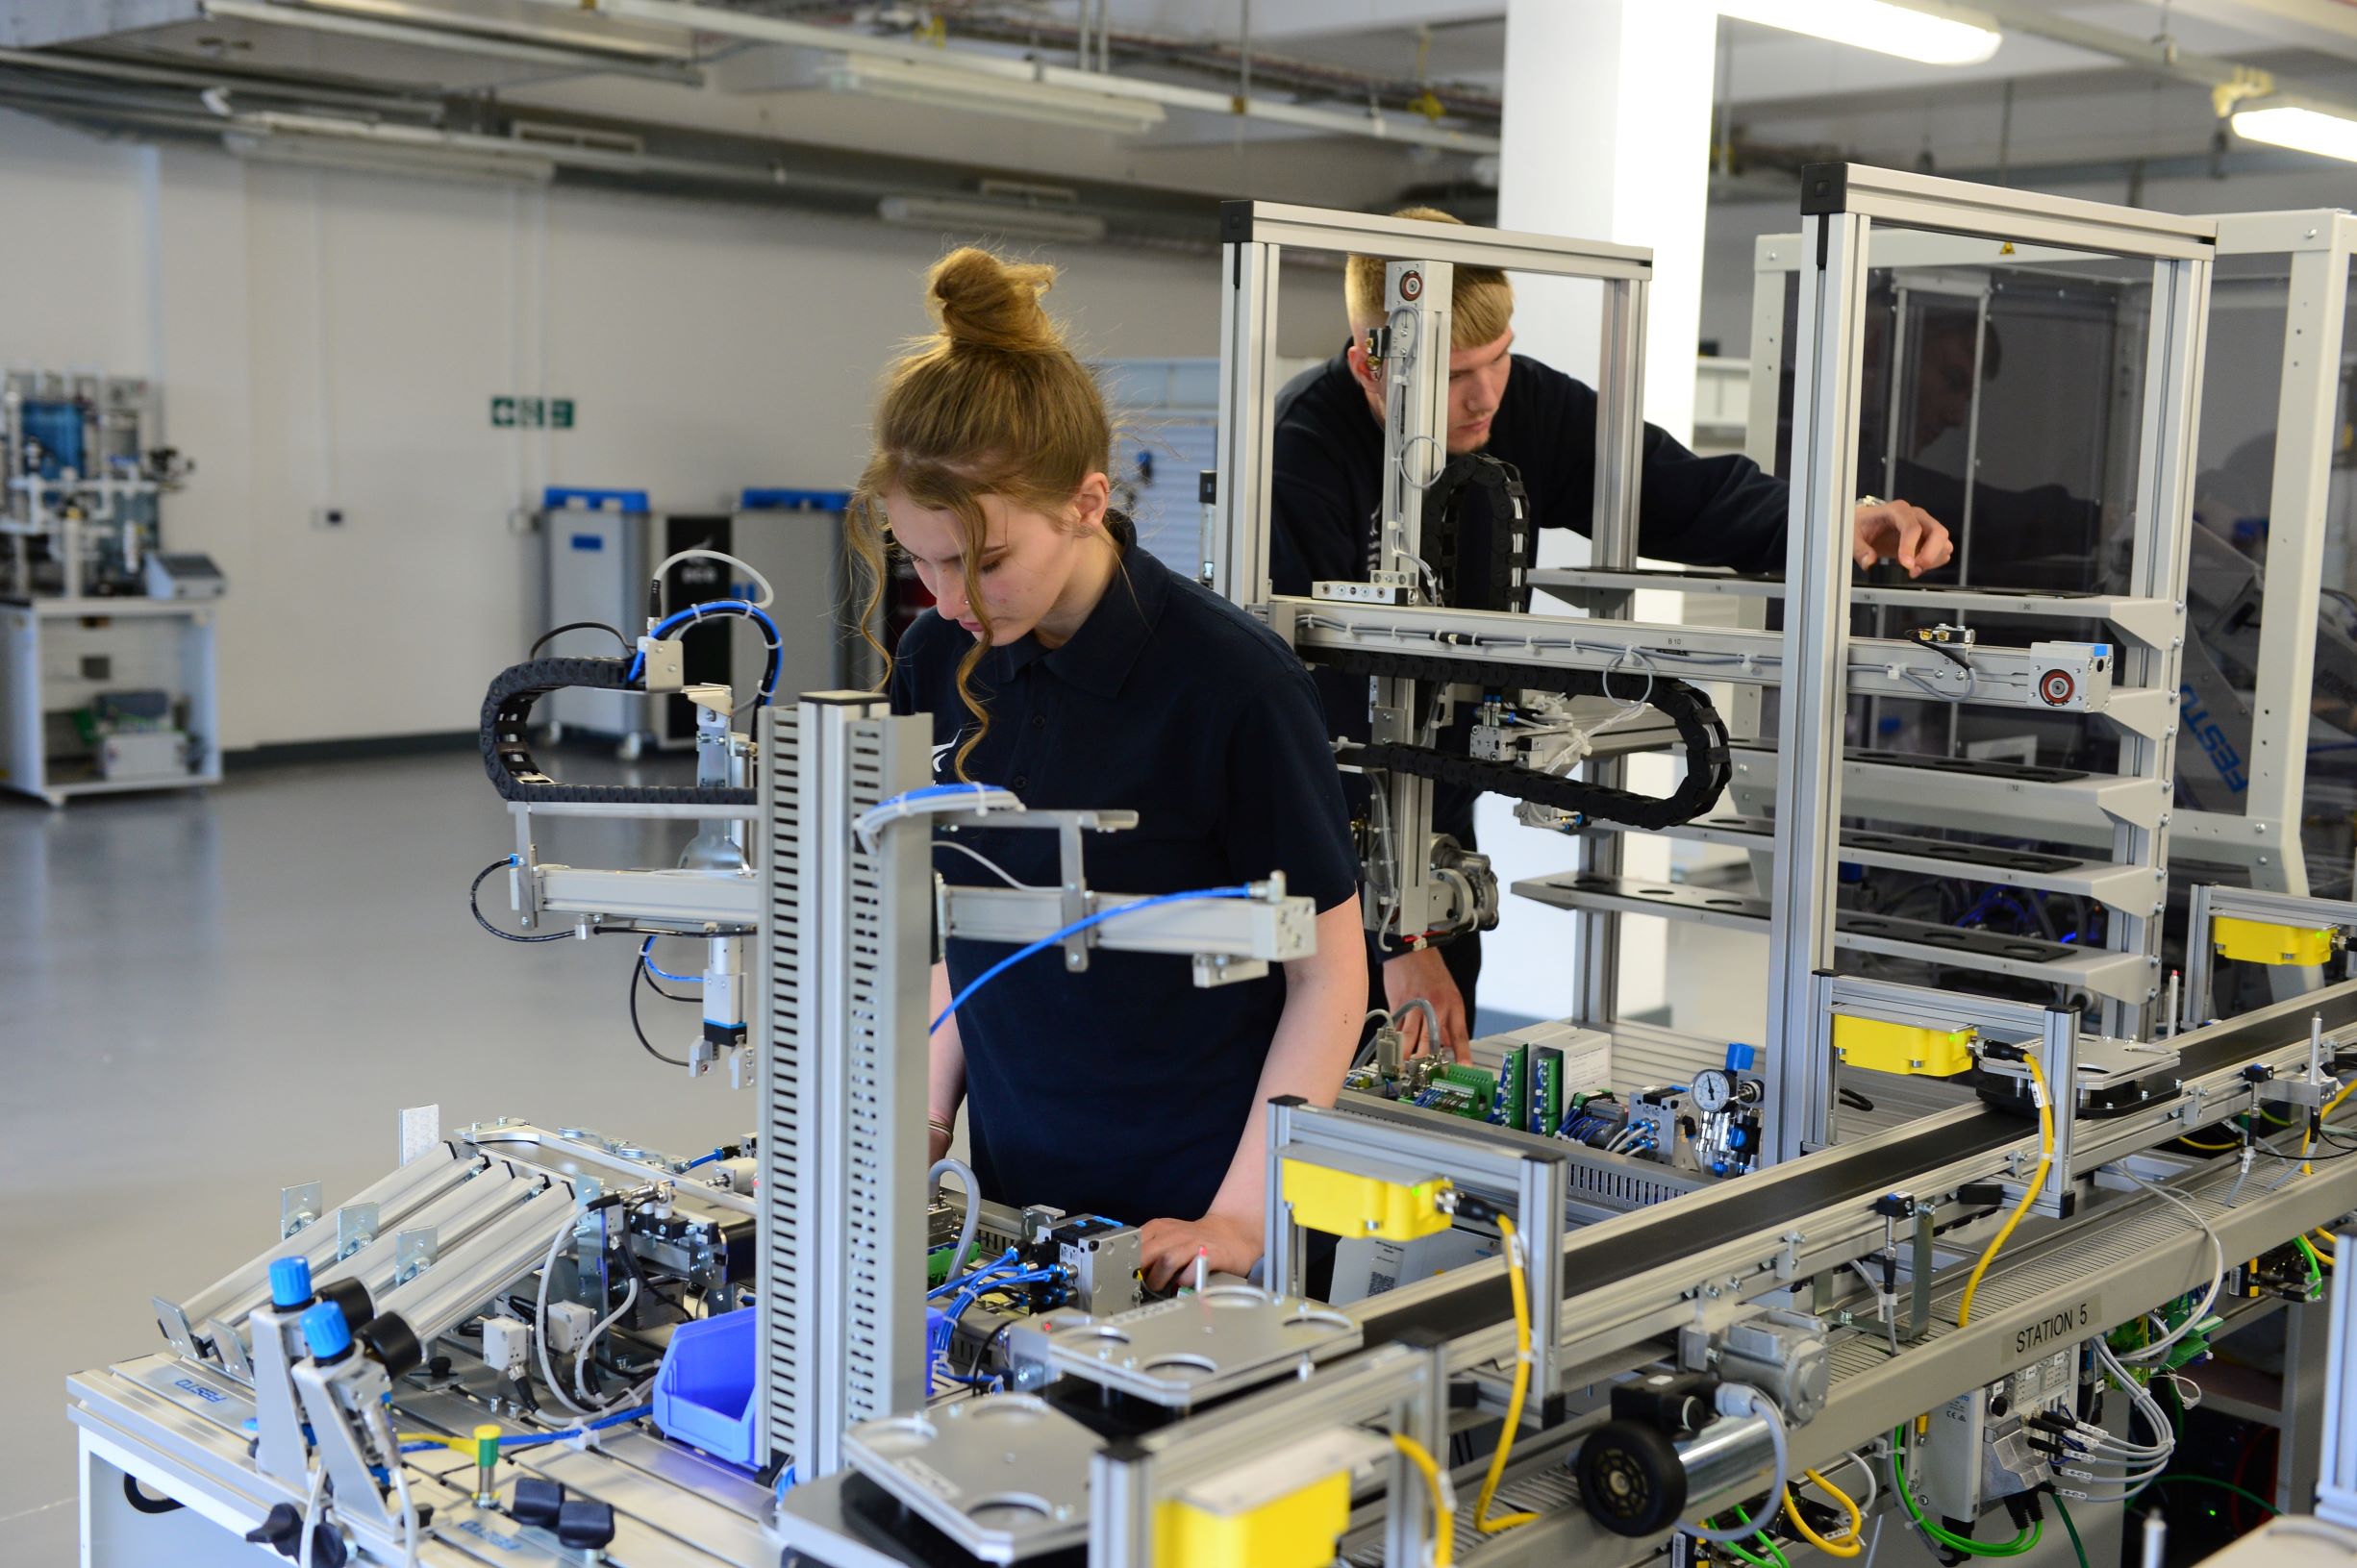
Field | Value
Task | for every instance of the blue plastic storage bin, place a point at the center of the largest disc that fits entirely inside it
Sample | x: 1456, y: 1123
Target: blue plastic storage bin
x: 704, y: 1392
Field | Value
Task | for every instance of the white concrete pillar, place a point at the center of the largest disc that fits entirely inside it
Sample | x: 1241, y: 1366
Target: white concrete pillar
x: 1607, y: 136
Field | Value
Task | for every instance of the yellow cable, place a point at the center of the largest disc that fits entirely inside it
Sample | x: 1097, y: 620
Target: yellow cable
x: 1443, y: 1517
x: 1514, y: 1403
x: 2029, y: 1194
x: 1841, y: 1546
x: 2209, y: 1148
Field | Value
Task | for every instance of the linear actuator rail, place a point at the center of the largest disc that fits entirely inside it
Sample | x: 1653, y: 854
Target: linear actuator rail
x: 2071, y: 677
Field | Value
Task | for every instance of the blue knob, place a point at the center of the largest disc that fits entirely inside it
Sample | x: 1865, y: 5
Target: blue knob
x: 289, y: 1281
x: 1737, y: 1137
x: 327, y: 1333
x: 1739, y: 1058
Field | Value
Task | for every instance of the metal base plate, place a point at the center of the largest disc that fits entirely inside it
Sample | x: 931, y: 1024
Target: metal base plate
x: 1006, y: 1477
x: 1197, y: 1347
x: 2115, y: 1076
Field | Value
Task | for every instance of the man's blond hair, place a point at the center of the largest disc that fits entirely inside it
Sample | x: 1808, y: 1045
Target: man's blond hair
x: 1481, y: 307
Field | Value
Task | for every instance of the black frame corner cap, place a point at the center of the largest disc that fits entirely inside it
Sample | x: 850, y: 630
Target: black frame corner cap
x: 1824, y: 187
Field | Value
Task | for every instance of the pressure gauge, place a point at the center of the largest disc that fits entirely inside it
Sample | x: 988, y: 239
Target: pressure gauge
x: 1713, y: 1090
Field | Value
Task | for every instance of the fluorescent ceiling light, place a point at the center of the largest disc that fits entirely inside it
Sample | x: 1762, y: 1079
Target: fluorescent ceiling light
x: 334, y: 153
x: 419, y: 32
x: 945, y: 87
x: 325, y: 141
x: 2301, y: 128
x: 958, y: 215
x: 1937, y: 34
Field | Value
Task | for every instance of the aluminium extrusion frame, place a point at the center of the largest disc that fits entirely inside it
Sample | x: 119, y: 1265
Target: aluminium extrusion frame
x: 2117, y: 1258
x: 1743, y: 658
x: 2263, y: 838
x: 2318, y: 246
x: 2335, y: 1495
x: 1531, y: 1182
x: 1254, y: 237
x: 2208, y: 904
x: 1841, y: 206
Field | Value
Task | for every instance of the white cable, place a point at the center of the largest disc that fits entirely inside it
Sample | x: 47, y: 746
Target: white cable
x: 310, y: 1514
x: 1873, y: 1487
x: 539, y: 1323
x: 2138, y: 1396
x: 1747, y: 1397
x: 2218, y: 1275
x: 1873, y: 1542
x: 965, y: 1173
x: 381, y: 1425
x: 768, y: 595
x: 1432, y: 1027
x: 1003, y: 873
x: 588, y: 1343
x: 2101, y: 1438
x: 979, y: 799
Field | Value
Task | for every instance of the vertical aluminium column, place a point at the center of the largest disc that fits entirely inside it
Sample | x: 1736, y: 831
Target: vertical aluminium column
x: 1247, y: 404
x: 2305, y: 428
x: 2163, y: 543
x: 843, y: 1075
x: 1619, y: 436
x: 1417, y: 319
x: 1814, y: 692
x: 783, y: 1071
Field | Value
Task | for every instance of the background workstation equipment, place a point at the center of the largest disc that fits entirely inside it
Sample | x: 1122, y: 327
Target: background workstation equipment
x: 1941, y: 1312
x: 600, y: 549
x: 106, y: 661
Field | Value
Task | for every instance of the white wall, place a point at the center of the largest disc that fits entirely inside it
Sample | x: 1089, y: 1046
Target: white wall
x: 334, y: 338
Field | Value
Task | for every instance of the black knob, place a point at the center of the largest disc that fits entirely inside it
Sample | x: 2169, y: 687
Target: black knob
x: 1631, y: 1477
x: 537, y: 1502
x: 585, y: 1524
x: 327, y: 1548
x: 282, y: 1527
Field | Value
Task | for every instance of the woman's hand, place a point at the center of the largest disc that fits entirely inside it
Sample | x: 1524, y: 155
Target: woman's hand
x: 1228, y: 1244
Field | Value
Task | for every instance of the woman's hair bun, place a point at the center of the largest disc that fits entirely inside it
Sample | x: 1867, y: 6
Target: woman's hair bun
x: 984, y: 302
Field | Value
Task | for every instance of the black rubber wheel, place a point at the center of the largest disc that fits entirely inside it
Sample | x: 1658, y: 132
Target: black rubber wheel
x: 1631, y: 1477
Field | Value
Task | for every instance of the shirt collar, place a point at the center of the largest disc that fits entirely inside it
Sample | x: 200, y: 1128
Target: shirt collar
x: 1101, y: 653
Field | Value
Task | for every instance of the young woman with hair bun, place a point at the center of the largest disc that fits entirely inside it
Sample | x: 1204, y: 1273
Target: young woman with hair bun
x: 1067, y: 665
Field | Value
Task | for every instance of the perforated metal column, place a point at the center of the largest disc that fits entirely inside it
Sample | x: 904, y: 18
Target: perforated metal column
x: 784, y: 1051
x: 847, y: 935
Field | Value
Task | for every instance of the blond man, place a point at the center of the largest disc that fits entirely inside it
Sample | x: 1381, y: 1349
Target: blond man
x: 1328, y: 471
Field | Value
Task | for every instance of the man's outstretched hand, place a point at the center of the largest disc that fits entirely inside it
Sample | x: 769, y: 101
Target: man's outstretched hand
x: 1908, y: 534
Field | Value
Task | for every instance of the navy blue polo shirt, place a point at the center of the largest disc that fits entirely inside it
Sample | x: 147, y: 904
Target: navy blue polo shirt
x: 1123, y: 1090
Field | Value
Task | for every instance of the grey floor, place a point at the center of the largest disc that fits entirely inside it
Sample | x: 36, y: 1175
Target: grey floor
x: 204, y: 998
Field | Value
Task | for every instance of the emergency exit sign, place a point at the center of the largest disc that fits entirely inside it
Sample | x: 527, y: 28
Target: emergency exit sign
x: 531, y: 412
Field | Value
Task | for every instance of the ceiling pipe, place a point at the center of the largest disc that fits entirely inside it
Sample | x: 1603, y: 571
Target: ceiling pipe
x: 427, y: 36
x: 2230, y: 81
